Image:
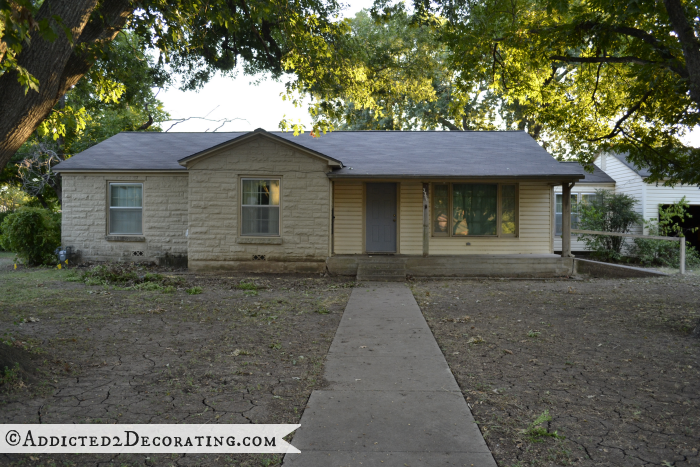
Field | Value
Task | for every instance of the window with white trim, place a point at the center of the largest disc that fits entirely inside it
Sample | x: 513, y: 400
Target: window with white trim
x: 474, y: 209
x: 126, y: 208
x: 577, y: 199
x: 260, y: 207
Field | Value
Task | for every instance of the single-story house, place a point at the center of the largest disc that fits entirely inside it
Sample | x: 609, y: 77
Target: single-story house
x: 631, y: 180
x: 368, y: 203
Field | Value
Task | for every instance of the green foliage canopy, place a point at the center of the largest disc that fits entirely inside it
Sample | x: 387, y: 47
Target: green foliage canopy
x: 594, y: 75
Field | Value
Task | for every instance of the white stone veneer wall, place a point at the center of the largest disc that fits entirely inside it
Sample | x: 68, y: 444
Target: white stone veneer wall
x: 85, y: 216
x: 214, y: 196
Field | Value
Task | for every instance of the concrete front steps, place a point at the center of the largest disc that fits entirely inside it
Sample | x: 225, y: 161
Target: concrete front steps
x: 381, y: 269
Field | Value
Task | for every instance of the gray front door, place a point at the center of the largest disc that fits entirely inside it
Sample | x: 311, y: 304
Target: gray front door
x: 381, y: 218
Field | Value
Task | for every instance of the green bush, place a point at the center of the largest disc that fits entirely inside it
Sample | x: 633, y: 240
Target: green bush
x: 607, y: 212
x: 32, y: 234
x: 665, y: 252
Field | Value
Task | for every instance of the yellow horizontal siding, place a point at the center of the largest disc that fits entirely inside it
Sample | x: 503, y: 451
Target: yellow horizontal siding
x: 411, y: 218
x: 534, y: 229
x: 347, y: 231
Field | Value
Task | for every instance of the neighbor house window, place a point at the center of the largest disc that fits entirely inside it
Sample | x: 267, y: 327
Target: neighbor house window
x: 577, y: 199
x: 474, y: 209
x: 260, y: 207
x: 125, y: 208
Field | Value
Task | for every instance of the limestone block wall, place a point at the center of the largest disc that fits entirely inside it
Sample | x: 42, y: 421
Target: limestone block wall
x: 214, y: 209
x: 85, y: 216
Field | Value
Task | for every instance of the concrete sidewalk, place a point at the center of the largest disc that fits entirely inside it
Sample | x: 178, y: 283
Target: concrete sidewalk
x: 392, y: 400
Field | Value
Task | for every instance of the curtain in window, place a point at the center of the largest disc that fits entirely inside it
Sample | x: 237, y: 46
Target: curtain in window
x: 474, y: 209
x: 440, y: 208
x: 125, y: 209
x: 508, y: 209
x: 260, y: 208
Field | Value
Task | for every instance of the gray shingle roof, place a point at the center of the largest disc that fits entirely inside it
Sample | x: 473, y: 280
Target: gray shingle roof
x: 623, y: 158
x: 598, y: 176
x: 363, y: 153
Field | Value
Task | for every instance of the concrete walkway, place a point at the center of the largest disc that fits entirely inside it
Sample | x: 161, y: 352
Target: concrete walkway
x: 392, y: 400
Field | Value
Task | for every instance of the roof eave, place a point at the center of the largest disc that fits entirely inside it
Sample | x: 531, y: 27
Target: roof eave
x: 69, y: 170
x: 562, y: 177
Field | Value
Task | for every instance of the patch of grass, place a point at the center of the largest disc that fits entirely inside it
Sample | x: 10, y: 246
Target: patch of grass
x: 196, y: 290
x: 10, y: 379
x: 323, y: 310
x: 537, y: 433
x: 246, y: 286
x: 533, y: 334
x: 275, y: 346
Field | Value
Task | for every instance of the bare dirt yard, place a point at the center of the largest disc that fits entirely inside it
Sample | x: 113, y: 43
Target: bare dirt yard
x: 161, y: 347
x: 589, y: 373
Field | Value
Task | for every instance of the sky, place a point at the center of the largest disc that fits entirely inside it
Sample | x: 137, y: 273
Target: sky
x: 247, y: 105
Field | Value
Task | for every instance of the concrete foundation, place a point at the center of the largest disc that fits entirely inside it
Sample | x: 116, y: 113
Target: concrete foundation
x: 608, y: 270
x: 274, y: 267
x: 460, y: 266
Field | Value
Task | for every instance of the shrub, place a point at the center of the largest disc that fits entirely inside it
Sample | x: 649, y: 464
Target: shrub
x: 32, y: 234
x: 607, y: 212
x: 664, y: 252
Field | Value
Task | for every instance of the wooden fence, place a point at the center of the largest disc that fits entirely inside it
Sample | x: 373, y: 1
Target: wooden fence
x: 649, y: 237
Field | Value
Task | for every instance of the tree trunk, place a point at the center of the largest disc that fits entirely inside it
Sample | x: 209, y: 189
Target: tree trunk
x: 689, y: 43
x: 55, y: 64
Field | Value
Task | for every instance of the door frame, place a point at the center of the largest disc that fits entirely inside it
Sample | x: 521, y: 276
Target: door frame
x: 398, y: 218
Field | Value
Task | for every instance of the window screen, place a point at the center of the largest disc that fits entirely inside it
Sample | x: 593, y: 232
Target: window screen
x: 474, y: 209
x: 125, y: 208
x: 260, y: 209
x: 441, y: 206
x: 508, y: 209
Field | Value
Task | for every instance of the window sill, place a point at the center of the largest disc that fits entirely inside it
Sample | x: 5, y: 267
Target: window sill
x: 260, y: 240
x: 125, y: 238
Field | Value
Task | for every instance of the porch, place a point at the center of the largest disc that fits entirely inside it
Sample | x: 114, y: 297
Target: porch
x: 397, y: 267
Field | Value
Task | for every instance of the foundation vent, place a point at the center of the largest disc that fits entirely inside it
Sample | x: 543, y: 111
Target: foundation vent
x: 258, y: 257
x: 137, y: 253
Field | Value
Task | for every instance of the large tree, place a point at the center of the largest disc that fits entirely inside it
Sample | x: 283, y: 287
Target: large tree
x: 595, y: 75
x: 117, y: 94
x: 46, y: 50
x: 408, y: 83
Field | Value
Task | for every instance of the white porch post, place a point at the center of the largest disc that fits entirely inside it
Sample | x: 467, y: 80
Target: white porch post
x: 566, y: 220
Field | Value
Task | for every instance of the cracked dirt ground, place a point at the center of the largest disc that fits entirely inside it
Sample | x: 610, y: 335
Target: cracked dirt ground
x: 129, y: 356
x: 611, y: 361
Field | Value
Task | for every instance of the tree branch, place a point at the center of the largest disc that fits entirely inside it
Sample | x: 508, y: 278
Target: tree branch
x: 617, y: 128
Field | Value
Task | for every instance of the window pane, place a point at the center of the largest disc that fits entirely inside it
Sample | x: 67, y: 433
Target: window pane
x: 125, y: 221
x: 126, y: 196
x: 474, y: 209
x: 559, y: 209
x: 508, y: 209
x: 440, y: 207
x: 260, y: 220
x: 261, y: 192
x: 557, y: 223
x: 559, y: 206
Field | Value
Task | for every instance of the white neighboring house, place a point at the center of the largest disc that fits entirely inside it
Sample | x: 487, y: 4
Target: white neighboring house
x: 598, y: 180
x: 630, y: 180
